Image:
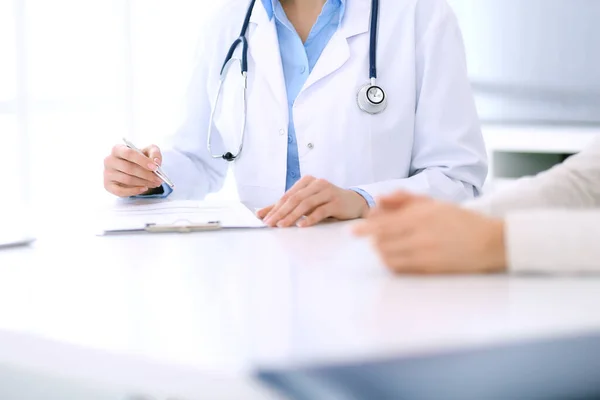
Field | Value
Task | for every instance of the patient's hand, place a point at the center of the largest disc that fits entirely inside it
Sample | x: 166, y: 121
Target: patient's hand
x: 417, y: 235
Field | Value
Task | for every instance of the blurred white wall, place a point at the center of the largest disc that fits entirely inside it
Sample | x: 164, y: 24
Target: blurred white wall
x: 533, y: 61
x: 78, y: 75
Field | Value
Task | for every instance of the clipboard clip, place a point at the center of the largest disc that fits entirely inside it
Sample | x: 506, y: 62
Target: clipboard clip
x: 183, y: 227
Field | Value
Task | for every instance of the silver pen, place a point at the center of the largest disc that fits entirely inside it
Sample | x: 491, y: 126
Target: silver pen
x: 159, y: 172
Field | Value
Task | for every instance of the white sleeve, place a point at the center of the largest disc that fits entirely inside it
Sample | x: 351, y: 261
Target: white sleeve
x: 542, y: 234
x: 572, y: 184
x: 449, y: 160
x: 553, y: 241
x: 185, y: 157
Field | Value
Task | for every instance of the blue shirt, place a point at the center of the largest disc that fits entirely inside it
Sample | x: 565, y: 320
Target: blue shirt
x: 298, y: 60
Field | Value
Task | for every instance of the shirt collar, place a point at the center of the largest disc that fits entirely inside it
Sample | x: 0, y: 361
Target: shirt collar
x: 270, y: 6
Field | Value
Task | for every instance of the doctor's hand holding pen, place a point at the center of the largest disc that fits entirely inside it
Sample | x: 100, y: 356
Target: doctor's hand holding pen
x: 311, y: 201
x: 128, y: 172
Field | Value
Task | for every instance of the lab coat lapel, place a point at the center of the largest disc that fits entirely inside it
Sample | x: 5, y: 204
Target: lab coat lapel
x: 337, y: 52
x: 264, y: 50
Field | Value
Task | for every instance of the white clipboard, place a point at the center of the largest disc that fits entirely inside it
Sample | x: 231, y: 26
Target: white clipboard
x: 185, y: 227
x: 177, y: 217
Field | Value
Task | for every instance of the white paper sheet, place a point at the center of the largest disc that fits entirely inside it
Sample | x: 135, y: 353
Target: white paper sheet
x: 137, y: 214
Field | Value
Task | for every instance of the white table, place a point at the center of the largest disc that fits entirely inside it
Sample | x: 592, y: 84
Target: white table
x: 226, y: 302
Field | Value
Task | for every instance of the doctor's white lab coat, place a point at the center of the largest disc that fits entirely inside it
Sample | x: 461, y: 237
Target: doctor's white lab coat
x: 428, y: 140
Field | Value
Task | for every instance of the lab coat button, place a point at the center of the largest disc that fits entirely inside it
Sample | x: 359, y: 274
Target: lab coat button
x: 282, y: 132
x: 310, y: 146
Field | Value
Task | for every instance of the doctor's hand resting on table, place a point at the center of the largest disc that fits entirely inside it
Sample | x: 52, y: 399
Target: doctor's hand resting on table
x: 319, y: 107
x: 544, y: 224
x: 316, y: 200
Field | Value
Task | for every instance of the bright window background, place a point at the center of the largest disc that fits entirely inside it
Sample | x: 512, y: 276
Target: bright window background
x: 78, y: 75
x: 9, y: 135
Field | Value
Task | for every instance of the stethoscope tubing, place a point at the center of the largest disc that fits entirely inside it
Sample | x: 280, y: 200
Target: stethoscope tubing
x: 365, y: 103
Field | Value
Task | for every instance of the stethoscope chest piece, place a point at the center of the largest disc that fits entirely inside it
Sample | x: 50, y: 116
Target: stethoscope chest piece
x: 372, y: 99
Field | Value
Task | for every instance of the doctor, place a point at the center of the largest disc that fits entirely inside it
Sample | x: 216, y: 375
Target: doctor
x: 320, y: 107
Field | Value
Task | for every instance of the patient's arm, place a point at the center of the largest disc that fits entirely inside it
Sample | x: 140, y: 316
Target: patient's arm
x: 553, y: 241
x: 572, y: 184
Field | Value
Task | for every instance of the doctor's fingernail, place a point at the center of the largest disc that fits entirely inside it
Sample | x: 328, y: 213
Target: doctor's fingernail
x: 157, y: 161
x: 152, y: 167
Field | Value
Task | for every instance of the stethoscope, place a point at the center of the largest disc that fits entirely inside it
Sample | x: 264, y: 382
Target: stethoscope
x: 370, y: 98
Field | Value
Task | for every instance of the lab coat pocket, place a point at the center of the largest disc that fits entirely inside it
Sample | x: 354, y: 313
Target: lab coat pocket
x: 363, y: 147
x: 389, y: 146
